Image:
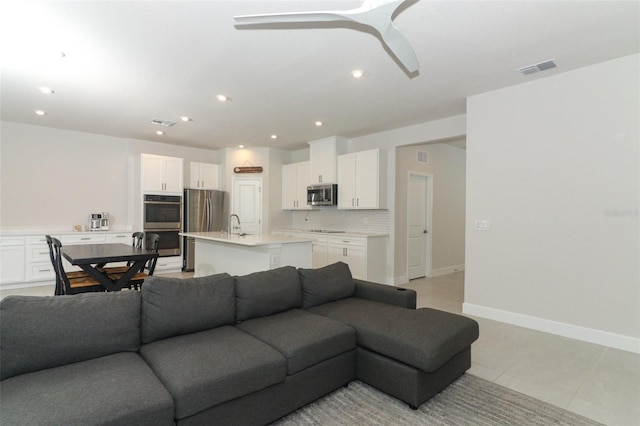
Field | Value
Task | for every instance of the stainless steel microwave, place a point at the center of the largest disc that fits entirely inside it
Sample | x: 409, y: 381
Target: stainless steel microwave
x: 322, y: 195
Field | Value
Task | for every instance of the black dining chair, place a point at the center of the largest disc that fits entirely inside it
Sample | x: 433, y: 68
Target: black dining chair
x: 67, y: 284
x: 59, y: 290
x: 151, y: 243
x: 136, y: 242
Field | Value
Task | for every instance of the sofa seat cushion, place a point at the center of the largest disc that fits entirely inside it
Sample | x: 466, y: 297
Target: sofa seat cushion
x: 204, y: 369
x: 118, y: 389
x: 304, y: 338
x: 423, y: 338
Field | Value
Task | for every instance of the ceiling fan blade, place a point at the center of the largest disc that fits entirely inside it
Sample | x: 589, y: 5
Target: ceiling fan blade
x: 277, y: 18
x: 401, y: 48
x: 375, y: 14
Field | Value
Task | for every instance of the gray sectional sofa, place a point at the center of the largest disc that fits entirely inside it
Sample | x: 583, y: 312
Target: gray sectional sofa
x: 220, y: 350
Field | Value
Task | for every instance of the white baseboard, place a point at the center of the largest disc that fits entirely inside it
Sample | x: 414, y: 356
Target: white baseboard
x: 605, y: 338
x: 448, y: 270
x: 400, y: 280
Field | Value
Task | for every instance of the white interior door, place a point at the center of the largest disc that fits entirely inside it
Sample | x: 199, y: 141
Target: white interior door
x: 247, y: 204
x: 418, y: 257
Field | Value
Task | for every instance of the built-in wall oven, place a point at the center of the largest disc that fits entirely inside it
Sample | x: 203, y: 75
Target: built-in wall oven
x: 163, y: 216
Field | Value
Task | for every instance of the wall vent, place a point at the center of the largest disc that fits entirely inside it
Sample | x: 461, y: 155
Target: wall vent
x: 542, y: 66
x: 163, y: 123
x: 421, y: 156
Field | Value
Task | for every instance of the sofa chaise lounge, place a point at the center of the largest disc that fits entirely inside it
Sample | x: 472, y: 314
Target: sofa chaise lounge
x: 220, y: 350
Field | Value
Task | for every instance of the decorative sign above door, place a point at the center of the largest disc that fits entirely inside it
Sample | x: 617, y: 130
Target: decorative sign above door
x: 248, y: 169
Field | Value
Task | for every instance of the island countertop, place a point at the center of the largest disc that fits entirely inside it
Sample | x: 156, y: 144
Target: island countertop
x: 246, y: 240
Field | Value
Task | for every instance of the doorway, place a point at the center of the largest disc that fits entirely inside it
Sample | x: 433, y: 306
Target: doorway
x: 247, y: 204
x: 419, y: 221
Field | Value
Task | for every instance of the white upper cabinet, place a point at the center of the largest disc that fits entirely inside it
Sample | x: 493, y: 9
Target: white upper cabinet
x: 161, y: 174
x: 204, y: 176
x: 295, y: 178
x: 362, y: 180
x: 323, y: 159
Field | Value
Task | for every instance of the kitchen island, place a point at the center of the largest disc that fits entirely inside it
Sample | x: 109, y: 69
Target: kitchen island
x: 217, y: 252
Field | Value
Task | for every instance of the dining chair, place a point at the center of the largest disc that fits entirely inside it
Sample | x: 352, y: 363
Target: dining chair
x: 136, y: 242
x: 67, y: 284
x: 59, y: 290
x: 151, y: 243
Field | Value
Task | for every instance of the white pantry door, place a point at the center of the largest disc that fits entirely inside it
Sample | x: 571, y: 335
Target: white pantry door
x: 247, y: 204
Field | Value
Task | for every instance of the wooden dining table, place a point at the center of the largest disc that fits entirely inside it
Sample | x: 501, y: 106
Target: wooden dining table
x: 91, y: 257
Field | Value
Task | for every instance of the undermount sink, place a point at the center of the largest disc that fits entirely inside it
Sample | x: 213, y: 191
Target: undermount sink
x: 327, y: 231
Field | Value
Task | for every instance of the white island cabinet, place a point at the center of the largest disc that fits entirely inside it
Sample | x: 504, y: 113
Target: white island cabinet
x: 217, y: 252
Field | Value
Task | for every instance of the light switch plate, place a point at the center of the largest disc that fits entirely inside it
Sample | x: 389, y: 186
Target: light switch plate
x: 481, y: 225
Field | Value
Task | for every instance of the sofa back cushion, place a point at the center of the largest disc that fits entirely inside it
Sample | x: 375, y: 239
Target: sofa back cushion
x: 267, y: 292
x: 322, y: 285
x: 37, y: 333
x: 174, y: 306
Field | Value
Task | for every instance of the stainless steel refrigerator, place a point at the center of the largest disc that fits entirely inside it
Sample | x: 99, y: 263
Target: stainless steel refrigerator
x: 204, y: 211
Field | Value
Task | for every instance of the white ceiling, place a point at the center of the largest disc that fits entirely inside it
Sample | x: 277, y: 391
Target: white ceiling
x: 127, y: 63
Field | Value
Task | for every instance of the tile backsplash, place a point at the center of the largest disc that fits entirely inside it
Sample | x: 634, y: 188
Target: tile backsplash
x: 378, y: 221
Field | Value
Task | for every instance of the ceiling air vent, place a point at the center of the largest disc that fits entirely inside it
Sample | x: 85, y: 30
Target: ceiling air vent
x: 163, y: 123
x: 421, y: 156
x: 542, y: 66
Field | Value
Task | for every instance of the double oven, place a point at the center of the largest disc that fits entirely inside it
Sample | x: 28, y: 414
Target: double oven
x: 163, y: 216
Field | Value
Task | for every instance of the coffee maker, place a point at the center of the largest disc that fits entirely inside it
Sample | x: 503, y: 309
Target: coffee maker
x: 95, y: 221
x: 104, y: 221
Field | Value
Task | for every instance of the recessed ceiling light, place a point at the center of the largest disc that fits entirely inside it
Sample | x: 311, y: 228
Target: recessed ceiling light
x: 159, y: 133
x: 241, y: 146
x: 186, y: 119
x: 319, y: 123
x: 222, y: 98
x: 274, y: 136
x: 40, y: 112
x: 46, y: 90
x: 357, y: 73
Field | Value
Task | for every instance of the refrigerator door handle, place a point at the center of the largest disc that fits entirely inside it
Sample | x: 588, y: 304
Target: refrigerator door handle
x: 209, y: 215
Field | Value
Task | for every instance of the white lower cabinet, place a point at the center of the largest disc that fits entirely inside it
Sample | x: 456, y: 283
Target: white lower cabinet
x: 319, y: 253
x: 12, y: 258
x: 74, y: 239
x: 123, y: 238
x: 351, y: 251
x: 366, y: 255
x: 39, y: 266
x: 168, y: 263
x: 25, y: 259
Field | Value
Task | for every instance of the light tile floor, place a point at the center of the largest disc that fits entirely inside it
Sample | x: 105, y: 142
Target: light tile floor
x: 595, y: 381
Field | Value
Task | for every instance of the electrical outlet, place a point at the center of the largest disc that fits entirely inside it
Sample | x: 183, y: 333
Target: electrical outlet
x: 481, y: 225
x: 366, y: 220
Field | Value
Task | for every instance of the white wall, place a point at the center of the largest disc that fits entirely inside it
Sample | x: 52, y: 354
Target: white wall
x: 446, y: 168
x: 52, y: 178
x: 553, y: 165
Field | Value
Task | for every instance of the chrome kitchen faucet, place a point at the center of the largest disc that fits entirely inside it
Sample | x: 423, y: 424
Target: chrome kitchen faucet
x: 231, y: 222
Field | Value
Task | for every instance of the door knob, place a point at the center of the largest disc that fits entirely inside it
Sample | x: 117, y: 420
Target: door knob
x: 425, y: 232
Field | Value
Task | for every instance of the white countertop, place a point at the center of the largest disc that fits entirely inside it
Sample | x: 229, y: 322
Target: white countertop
x: 331, y: 233
x: 247, y: 240
x: 57, y: 230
